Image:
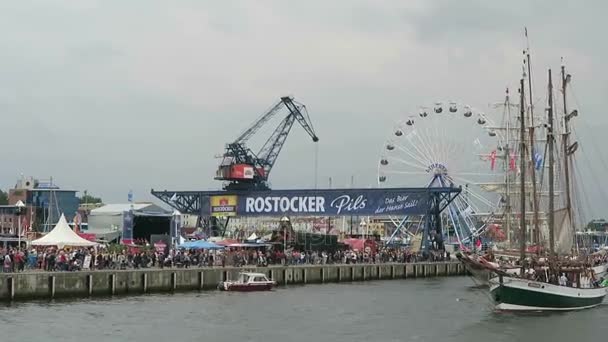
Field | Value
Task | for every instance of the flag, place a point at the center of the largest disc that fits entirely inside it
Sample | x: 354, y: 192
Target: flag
x: 130, y: 196
x: 512, y: 162
x: 538, y: 161
x: 492, y: 159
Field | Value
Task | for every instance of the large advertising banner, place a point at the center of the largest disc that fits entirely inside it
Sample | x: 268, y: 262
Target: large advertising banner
x: 127, y: 227
x: 223, y: 205
x: 338, y: 202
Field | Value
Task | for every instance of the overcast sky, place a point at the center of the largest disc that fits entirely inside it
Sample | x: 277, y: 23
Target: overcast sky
x: 116, y: 95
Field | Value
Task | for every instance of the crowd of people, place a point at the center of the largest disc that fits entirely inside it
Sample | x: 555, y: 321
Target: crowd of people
x: 54, y: 259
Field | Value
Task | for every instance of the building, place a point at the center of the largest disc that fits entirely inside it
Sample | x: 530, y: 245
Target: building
x: 106, y: 222
x: 8, y: 219
x: 45, y: 202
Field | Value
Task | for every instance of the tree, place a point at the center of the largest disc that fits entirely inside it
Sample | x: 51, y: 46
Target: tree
x: 86, y: 198
x: 3, y: 198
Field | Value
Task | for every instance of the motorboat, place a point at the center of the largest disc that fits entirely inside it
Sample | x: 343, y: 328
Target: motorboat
x: 247, y: 282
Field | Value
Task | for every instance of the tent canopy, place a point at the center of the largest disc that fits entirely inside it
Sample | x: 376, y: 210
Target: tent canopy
x: 62, y: 235
x: 200, y: 244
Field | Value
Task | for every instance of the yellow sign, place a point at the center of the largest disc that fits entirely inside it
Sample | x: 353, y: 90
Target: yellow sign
x: 223, y: 205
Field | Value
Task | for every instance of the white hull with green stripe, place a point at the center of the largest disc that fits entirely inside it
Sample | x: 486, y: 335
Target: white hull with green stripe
x: 515, y: 294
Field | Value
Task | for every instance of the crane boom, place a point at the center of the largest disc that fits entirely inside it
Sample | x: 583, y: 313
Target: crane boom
x: 246, y: 170
x: 257, y: 124
x: 270, y: 151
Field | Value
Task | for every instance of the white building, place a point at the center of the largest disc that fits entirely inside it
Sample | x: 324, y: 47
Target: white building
x: 107, y: 221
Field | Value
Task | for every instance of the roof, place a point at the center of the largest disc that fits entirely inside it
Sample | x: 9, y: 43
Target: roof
x: 115, y: 209
x: 62, y: 235
x: 251, y: 274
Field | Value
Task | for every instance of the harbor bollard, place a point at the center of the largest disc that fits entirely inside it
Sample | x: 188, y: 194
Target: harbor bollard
x: 90, y: 283
x: 112, y: 284
x: 11, y: 286
x: 144, y: 280
x: 173, y: 280
x: 52, y: 286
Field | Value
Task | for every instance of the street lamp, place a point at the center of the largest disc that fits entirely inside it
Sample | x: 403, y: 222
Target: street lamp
x: 363, y: 226
x: 20, y: 205
x: 285, y: 221
x: 175, y: 233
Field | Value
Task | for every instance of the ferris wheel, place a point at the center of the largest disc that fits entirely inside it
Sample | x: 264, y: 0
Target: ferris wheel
x: 442, y: 145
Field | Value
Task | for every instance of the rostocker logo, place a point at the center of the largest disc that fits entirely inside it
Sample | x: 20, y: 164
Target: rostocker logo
x: 223, y: 205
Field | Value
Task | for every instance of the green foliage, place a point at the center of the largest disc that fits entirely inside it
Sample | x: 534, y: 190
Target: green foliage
x: 89, y: 199
x: 597, y: 225
x: 3, y: 198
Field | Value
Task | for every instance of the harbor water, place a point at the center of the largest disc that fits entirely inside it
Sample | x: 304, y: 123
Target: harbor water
x: 434, y: 309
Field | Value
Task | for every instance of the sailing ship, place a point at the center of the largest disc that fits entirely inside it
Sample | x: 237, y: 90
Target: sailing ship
x: 558, y: 284
x: 540, y: 223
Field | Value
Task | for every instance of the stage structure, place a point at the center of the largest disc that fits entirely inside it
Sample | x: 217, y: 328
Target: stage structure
x: 426, y: 202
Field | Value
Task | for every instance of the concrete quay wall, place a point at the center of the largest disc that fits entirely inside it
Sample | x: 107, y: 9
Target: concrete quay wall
x: 48, y: 285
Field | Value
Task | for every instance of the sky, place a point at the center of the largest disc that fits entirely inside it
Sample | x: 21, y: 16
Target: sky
x: 108, y: 96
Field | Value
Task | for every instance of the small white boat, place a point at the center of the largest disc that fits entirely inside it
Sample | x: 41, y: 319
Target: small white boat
x: 247, y: 282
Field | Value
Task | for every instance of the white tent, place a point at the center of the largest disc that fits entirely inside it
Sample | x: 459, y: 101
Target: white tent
x: 62, y: 235
x: 252, y: 237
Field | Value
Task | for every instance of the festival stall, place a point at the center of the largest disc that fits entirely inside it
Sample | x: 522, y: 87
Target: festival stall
x: 361, y: 244
x: 63, y: 236
x: 200, y: 244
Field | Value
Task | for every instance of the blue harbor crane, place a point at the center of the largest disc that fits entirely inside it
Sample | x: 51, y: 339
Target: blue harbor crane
x: 244, y: 170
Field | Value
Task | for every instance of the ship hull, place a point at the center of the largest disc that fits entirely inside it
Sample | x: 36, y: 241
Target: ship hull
x: 513, y: 294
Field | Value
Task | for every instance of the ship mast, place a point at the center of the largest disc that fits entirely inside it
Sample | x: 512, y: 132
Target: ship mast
x: 551, y: 162
x: 536, y: 235
x: 566, y: 143
x: 522, y: 173
x: 507, y: 153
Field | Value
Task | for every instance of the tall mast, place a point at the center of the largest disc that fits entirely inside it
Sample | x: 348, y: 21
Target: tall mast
x: 506, y: 166
x: 567, y: 117
x: 551, y: 164
x: 522, y: 172
x: 532, y: 151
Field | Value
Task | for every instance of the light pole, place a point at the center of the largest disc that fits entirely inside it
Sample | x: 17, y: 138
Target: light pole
x: 285, y: 221
x: 176, y: 227
x: 363, y: 226
x: 20, y: 205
